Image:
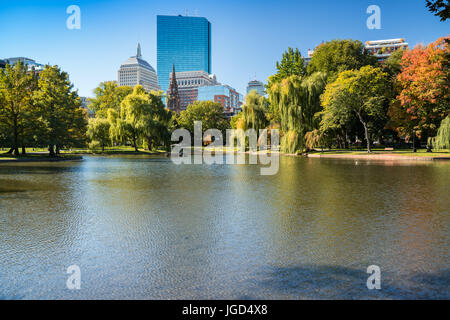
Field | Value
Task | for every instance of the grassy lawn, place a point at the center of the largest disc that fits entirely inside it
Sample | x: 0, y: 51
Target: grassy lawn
x: 113, y: 150
x: 406, y: 152
x: 34, y: 153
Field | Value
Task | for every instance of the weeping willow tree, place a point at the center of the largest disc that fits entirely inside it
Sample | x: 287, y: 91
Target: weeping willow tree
x: 313, y: 87
x: 298, y: 100
x: 442, y: 140
x: 254, y: 111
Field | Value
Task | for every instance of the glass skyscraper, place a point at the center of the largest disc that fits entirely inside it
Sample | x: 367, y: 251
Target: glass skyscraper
x: 184, y: 42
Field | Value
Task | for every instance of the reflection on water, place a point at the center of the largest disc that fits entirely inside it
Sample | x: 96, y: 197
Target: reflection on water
x: 146, y: 228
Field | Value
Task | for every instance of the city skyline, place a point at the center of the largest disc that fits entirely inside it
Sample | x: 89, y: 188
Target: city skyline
x: 240, y: 49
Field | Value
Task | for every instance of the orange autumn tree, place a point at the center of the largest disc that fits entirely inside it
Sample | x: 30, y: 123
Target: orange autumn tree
x: 423, y: 84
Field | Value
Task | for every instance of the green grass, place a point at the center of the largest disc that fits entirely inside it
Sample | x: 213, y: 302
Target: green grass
x: 406, y: 152
x: 113, y: 150
x: 34, y: 153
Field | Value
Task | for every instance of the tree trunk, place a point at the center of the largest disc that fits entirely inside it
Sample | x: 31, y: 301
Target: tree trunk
x: 366, y: 132
x: 10, y: 151
x: 150, y: 144
x: 58, y: 149
x: 134, y: 144
x: 24, y: 151
x: 414, y: 141
x: 346, y: 144
x: 429, y: 145
x: 16, y: 139
x: 51, y: 150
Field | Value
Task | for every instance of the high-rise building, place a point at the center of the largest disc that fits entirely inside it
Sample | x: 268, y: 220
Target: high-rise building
x: 85, y: 102
x: 32, y: 65
x: 173, y: 97
x: 228, y: 97
x: 383, y: 49
x: 256, y: 85
x: 2, y: 64
x: 309, y: 57
x: 136, y: 71
x: 184, y: 42
x: 188, y: 83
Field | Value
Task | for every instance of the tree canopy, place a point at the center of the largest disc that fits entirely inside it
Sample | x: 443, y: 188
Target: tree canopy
x: 16, y: 104
x: 442, y: 140
x: 210, y: 113
x: 108, y: 95
x: 291, y: 64
x: 336, y: 56
x: 424, y: 89
x: 254, y: 111
x: 297, y: 100
x: 440, y: 8
x: 360, y: 93
x: 63, y: 120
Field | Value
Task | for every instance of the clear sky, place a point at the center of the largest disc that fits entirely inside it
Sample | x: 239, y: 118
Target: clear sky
x: 248, y: 36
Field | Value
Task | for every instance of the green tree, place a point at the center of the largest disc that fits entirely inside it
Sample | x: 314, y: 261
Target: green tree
x: 393, y: 64
x: 440, y: 8
x: 297, y: 100
x: 16, y: 109
x: 291, y: 64
x: 133, y: 115
x: 99, y: 130
x: 108, y: 95
x: 442, y: 140
x: 254, y: 111
x: 158, y: 122
x: 360, y: 93
x: 235, y: 120
x: 336, y: 56
x: 62, y: 119
x: 4, y: 136
x: 210, y: 113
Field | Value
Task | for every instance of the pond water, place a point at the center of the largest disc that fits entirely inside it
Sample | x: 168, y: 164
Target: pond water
x: 145, y: 228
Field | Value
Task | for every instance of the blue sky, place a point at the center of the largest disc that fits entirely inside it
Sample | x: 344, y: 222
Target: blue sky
x: 248, y: 37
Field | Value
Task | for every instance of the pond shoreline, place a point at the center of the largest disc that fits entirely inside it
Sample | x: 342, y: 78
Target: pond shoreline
x: 373, y: 156
x: 41, y: 159
x: 382, y: 156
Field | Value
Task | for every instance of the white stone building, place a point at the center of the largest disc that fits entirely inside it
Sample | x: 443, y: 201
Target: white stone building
x: 136, y: 71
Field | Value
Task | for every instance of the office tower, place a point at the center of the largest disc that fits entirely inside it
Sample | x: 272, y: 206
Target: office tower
x: 136, y: 71
x: 184, y: 42
x: 228, y: 97
x: 188, y: 83
x: 256, y: 85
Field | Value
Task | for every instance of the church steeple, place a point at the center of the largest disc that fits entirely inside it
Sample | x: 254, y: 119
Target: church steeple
x: 138, y: 53
x: 173, y: 98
